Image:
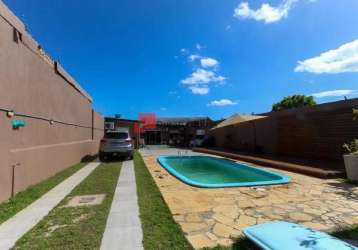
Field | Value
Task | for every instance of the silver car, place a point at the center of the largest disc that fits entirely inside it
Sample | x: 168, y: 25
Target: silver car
x: 116, y: 143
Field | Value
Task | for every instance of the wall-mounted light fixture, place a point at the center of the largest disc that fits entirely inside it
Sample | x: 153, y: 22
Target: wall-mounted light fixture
x: 52, y: 122
x: 10, y: 113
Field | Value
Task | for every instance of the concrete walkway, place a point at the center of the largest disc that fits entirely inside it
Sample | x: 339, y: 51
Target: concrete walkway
x: 123, y: 230
x: 14, y: 228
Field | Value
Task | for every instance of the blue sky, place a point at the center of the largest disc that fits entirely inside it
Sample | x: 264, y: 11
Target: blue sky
x: 202, y: 57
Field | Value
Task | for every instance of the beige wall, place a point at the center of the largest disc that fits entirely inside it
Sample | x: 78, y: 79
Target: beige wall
x: 30, y: 85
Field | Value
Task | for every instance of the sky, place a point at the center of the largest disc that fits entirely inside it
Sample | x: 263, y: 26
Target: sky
x: 199, y: 58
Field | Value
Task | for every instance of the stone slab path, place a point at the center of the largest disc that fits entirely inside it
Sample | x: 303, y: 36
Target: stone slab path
x: 14, y: 228
x: 123, y: 230
x: 209, y: 217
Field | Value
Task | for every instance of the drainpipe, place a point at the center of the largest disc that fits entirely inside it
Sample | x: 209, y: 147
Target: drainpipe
x: 13, y: 179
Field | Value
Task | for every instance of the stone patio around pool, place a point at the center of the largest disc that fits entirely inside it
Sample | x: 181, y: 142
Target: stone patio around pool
x: 210, y: 217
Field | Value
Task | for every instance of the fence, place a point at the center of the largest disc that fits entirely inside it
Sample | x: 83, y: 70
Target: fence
x: 312, y: 132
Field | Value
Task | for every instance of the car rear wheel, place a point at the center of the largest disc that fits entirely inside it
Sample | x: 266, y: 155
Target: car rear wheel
x: 102, y: 156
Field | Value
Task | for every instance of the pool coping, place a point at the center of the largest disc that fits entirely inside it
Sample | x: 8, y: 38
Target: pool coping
x: 284, y: 179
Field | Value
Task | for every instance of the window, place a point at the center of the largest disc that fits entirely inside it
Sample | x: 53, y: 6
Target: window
x: 109, y: 125
x: 116, y: 135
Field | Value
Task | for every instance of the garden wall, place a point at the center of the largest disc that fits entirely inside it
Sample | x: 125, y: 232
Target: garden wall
x: 312, y: 132
x: 61, y: 127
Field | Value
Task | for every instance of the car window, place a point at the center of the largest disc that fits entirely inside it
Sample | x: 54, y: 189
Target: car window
x: 116, y: 135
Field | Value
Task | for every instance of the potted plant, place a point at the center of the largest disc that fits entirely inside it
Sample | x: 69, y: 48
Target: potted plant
x: 351, y: 158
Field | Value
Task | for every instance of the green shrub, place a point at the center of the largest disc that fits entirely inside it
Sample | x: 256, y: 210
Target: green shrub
x: 295, y: 101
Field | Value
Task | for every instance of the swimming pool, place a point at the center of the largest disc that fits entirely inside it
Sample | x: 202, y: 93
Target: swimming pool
x: 213, y: 172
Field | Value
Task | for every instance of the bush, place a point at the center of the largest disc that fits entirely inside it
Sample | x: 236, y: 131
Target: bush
x: 295, y: 101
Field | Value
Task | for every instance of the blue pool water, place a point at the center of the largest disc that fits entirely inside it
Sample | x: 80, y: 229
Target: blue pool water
x: 206, y: 171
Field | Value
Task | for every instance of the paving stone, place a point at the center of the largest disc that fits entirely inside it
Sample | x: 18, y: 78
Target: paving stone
x: 192, y: 227
x: 178, y: 218
x: 246, y: 204
x: 193, y: 218
x: 298, y: 216
x: 263, y: 220
x: 86, y: 200
x: 223, y: 201
x: 235, y: 233
x: 225, y: 242
x: 223, y: 219
x: 261, y: 202
x: 343, y: 210
x: 313, y: 211
x: 228, y: 210
x: 222, y: 230
x: 200, y: 241
x: 210, y: 222
x: 350, y: 220
x: 211, y: 236
x: 245, y: 221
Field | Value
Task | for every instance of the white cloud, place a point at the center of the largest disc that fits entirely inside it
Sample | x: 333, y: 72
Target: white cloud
x: 202, y: 76
x: 343, y: 59
x: 194, y: 57
x: 184, y: 51
x: 265, y: 13
x: 222, y: 102
x: 199, y: 47
x: 200, y: 90
x: 335, y: 93
x: 208, y: 62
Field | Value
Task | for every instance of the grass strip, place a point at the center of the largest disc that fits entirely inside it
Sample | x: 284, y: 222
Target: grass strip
x: 22, y: 199
x: 79, y: 227
x: 160, y: 231
x: 350, y: 232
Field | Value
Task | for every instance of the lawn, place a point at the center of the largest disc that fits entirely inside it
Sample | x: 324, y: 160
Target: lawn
x: 160, y: 231
x: 26, y: 197
x: 76, y: 227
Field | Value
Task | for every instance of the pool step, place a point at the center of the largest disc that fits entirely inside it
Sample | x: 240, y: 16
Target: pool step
x: 297, y: 168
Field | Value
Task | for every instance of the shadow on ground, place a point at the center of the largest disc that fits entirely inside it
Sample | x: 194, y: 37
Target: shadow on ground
x: 345, y: 189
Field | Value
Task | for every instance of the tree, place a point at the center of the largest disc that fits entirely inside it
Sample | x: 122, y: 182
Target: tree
x: 294, y: 101
x: 355, y: 114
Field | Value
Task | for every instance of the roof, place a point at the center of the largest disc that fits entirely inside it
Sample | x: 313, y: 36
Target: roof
x: 179, y: 120
x: 238, y: 118
x: 121, y: 119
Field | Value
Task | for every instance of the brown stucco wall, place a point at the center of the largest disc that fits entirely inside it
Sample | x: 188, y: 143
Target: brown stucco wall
x: 312, y: 133
x: 242, y: 137
x: 29, y: 84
